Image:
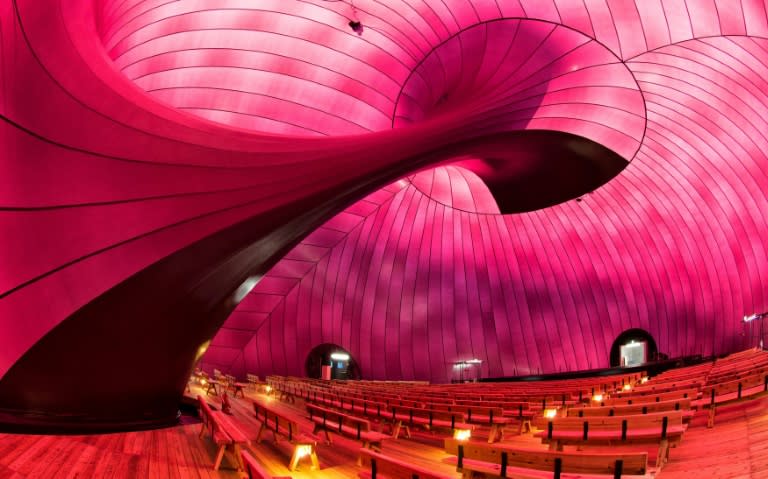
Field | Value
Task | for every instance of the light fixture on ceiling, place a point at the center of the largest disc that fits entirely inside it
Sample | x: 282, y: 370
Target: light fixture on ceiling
x: 755, y: 316
x: 354, y: 23
x: 356, y: 26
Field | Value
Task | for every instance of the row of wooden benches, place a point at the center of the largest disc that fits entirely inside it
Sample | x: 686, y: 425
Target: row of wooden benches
x: 301, y: 389
x: 654, y: 422
x: 404, y: 418
x: 484, y: 460
x: 229, y: 438
x: 605, y: 430
x: 479, y: 459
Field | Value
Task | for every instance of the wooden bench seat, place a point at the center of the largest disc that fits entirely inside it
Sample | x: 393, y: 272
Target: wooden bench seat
x: 501, y: 460
x: 355, y: 406
x: 233, y: 385
x: 286, y: 426
x: 379, y: 466
x: 731, y: 392
x: 692, y: 394
x: 254, y: 383
x: 665, y: 429
x: 480, y: 415
x: 662, y: 387
x: 407, y: 417
x: 254, y: 470
x: 683, y: 405
x: 736, y: 375
x: 328, y: 420
x: 223, y: 432
x: 212, y: 385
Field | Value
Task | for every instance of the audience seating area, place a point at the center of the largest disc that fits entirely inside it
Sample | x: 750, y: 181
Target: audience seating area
x: 588, y: 427
x: 662, y: 429
x: 477, y: 458
x: 284, y: 425
x: 227, y: 436
x: 329, y: 420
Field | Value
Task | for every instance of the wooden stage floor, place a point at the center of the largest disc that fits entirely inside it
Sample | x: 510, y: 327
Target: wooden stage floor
x: 737, y: 447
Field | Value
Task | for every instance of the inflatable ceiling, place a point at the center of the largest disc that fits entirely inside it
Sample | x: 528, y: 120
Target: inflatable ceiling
x: 420, y: 182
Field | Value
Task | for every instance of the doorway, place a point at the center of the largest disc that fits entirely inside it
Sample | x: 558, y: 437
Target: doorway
x: 633, y: 347
x: 331, y: 361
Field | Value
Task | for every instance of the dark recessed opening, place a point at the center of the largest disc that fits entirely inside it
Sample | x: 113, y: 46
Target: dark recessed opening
x: 336, y: 361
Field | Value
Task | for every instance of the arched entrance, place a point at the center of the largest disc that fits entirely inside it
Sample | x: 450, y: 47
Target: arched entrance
x: 633, y: 347
x: 336, y: 361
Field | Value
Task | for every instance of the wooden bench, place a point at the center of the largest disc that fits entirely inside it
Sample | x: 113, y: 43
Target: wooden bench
x: 235, y: 386
x: 692, y: 394
x: 501, y: 460
x: 328, y: 420
x: 213, y: 385
x: 254, y: 383
x: 254, y: 470
x: 281, y: 424
x: 732, y: 392
x: 223, y: 432
x: 683, y: 405
x: 407, y: 417
x: 380, y: 466
x: 665, y: 429
x: 652, y: 387
x: 481, y: 415
x: 288, y: 395
x: 357, y: 407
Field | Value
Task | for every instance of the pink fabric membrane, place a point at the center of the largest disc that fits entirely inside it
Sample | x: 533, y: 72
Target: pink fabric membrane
x: 513, y: 181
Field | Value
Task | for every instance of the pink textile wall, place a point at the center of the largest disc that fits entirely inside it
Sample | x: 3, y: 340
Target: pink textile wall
x: 157, y: 158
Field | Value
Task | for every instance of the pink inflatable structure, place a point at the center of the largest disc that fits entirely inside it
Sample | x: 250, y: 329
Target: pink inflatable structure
x: 517, y: 181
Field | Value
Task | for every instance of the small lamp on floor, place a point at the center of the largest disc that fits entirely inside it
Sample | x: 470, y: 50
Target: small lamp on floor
x: 462, y: 434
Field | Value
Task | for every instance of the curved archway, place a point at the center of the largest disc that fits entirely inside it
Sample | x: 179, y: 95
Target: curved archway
x: 342, y: 364
x: 633, y: 347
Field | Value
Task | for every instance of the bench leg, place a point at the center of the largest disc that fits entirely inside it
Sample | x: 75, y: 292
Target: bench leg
x: 711, y: 417
x: 318, y: 427
x: 374, y: 446
x: 258, y: 435
x: 663, y: 455
x: 525, y: 426
x: 238, y: 457
x: 496, y: 433
x: 396, y: 429
x: 219, y: 457
x: 315, y: 461
x: 294, y: 459
x: 555, y: 446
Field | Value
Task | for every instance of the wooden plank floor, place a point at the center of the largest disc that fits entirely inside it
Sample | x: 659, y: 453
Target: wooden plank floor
x: 736, y: 448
